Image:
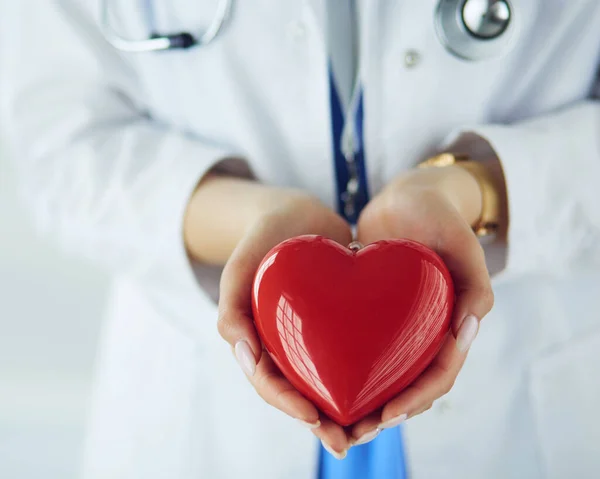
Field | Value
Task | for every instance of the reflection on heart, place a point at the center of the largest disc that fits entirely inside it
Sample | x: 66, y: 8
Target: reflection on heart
x: 351, y: 329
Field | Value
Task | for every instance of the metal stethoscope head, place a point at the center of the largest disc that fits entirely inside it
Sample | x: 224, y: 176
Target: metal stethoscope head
x: 470, y: 29
x: 475, y: 29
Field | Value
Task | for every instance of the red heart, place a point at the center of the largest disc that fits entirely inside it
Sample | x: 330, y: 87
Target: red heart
x: 351, y: 329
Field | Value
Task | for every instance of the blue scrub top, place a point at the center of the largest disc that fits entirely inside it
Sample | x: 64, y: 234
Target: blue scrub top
x: 382, y: 458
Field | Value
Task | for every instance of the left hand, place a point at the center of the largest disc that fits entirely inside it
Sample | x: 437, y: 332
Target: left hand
x: 436, y: 207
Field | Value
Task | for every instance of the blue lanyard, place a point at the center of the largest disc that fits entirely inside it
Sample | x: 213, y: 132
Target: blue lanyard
x: 382, y: 458
x: 342, y: 167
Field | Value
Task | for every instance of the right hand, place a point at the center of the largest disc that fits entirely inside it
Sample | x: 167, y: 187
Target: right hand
x: 287, y: 214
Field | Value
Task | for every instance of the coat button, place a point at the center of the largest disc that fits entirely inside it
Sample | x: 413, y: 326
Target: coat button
x: 411, y: 58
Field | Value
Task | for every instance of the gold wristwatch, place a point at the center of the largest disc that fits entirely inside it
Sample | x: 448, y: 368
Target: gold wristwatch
x: 488, y: 222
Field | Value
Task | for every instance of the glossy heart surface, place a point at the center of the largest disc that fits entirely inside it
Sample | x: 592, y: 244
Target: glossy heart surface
x: 351, y: 329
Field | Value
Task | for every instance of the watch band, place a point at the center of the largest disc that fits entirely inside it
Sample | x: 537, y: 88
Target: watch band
x: 488, y: 222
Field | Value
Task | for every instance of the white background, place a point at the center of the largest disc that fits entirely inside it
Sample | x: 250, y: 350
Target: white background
x: 50, y: 317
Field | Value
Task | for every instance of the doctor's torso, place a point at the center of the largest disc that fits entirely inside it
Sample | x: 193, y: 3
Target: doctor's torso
x: 261, y: 90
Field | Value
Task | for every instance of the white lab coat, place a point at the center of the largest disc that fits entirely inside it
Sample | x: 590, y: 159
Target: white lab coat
x: 111, y: 145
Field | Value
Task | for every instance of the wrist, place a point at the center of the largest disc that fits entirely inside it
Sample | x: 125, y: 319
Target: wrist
x: 462, y: 189
x: 297, y: 212
x: 455, y: 184
x: 273, y: 200
x: 491, y: 218
x: 223, y: 209
x: 220, y: 212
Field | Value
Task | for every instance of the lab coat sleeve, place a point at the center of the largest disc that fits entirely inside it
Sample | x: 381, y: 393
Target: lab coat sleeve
x: 551, y: 166
x: 100, y: 173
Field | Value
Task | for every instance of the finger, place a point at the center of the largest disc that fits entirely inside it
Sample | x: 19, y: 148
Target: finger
x: 435, y: 381
x: 422, y: 410
x: 333, y: 437
x: 365, y: 428
x: 463, y: 254
x: 426, y: 217
x: 277, y: 391
x: 235, y: 321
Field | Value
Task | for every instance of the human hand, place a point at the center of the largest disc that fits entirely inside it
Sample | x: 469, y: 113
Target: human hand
x: 435, y: 207
x: 284, y: 214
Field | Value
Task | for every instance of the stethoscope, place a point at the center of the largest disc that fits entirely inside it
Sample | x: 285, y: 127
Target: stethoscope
x: 470, y: 29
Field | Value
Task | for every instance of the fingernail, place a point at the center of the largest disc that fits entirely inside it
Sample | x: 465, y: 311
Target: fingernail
x: 337, y: 455
x: 309, y: 425
x: 395, y: 421
x: 245, y: 357
x: 467, y: 333
x: 367, y: 437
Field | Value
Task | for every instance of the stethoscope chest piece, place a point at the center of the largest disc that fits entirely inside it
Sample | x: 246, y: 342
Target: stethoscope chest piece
x: 475, y: 29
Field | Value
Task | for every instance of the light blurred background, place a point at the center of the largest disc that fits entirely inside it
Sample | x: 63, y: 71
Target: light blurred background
x: 52, y: 307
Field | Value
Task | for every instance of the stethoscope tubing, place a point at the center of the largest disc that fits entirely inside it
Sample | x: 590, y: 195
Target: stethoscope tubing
x: 158, y: 43
x: 449, y: 21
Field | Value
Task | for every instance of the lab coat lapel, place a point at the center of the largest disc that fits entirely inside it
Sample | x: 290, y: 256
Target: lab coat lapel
x: 319, y: 10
